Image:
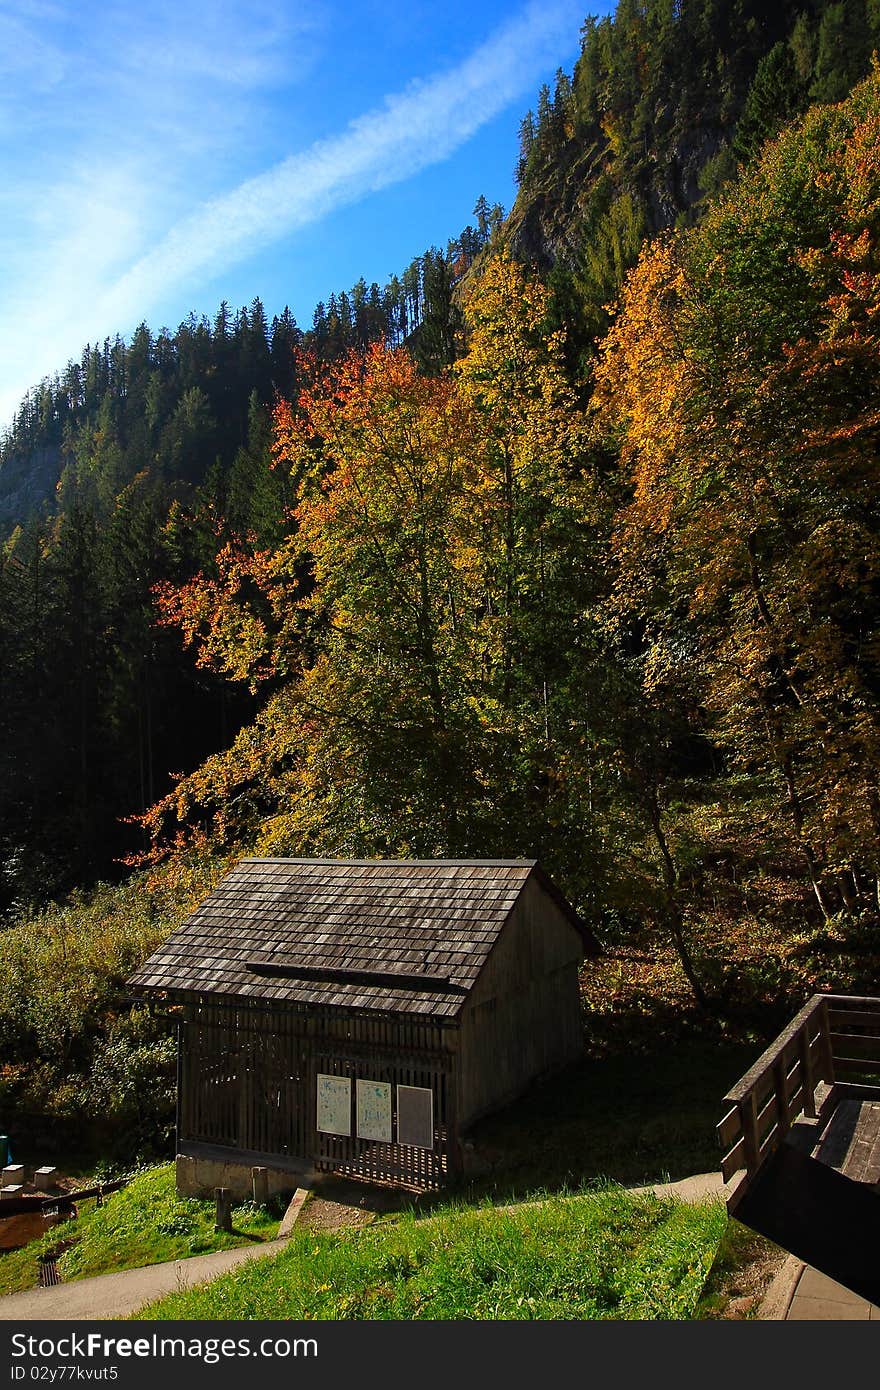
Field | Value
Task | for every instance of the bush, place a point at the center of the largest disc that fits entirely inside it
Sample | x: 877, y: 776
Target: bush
x: 73, y: 1045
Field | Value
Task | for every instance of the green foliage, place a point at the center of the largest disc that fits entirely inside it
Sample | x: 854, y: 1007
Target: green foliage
x: 844, y: 35
x: 461, y: 613
x: 664, y: 100
x: 98, y: 706
x: 420, y: 615
x: 71, y: 1043
x: 147, y: 1222
x: 607, y: 1254
x: 776, y: 94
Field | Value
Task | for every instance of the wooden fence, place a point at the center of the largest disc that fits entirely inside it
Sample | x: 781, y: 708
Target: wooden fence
x: 835, y: 1036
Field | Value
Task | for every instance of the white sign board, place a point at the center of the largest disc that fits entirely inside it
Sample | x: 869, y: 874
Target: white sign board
x: 374, y: 1111
x: 415, y: 1117
x: 334, y: 1104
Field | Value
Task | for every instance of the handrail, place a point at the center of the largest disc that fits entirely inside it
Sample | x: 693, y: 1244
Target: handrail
x: 784, y: 1082
x: 770, y: 1055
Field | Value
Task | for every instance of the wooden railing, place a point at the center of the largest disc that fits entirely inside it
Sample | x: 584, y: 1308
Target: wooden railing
x: 833, y: 1036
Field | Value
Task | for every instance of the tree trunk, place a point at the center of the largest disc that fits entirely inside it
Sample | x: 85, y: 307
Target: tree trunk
x: 674, y: 917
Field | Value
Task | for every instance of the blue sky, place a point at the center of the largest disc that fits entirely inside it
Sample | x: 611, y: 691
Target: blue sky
x: 162, y: 157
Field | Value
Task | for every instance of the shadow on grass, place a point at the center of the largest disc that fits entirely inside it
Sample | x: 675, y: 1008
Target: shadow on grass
x: 631, y: 1119
x: 744, y: 1266
x: 634, y: 1118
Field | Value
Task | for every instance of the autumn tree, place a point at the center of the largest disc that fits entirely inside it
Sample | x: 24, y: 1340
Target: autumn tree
x: 743, y: 371
x: 425, y: 633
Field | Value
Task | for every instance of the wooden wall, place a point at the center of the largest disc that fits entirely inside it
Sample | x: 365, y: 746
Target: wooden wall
x: 523, y: 1017
x: 248, y: 1080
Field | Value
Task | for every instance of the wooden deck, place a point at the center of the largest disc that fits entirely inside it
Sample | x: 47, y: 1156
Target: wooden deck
x: 851, y: 1140
x: 816, y: 1086
x: 801, y: 1141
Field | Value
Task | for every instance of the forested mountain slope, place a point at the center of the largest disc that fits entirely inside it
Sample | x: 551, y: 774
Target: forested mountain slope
x: 666, y: 101
x: 503, y: 572
x: 149, y: 464
x: 134, y: 466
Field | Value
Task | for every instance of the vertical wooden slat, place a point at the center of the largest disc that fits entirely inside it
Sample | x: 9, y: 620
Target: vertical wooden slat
x: 248, y: 1078
x: 809, y: 1085
x: 827, y: 1054
x: 748, y: 1114
x: 780, y: 1086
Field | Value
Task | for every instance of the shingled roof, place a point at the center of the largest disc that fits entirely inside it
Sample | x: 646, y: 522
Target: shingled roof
x: 396, y: 935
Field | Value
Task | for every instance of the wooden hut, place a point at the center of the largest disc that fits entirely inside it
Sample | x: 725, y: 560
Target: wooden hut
x: 357, y: 1015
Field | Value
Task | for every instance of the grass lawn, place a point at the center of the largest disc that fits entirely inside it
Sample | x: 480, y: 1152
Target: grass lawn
x: 605, y: 1254
x: 143, y: 1224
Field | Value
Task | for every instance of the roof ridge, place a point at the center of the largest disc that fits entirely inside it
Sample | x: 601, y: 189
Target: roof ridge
x: 421, y: 863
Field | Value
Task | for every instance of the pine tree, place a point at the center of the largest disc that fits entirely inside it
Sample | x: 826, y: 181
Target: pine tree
x: 775, y: 95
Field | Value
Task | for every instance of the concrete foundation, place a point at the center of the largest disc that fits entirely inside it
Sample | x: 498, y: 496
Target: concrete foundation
x: 198, y: 1174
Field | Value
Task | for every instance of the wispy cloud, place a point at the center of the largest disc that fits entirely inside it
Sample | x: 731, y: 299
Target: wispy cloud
x: 413, y: 129
x: 110, y: 118
x: 152, y: 107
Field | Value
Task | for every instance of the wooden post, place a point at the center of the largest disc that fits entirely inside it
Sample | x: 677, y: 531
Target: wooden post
x: 780, y: 1087
x: 827, y: 1053
x: 224, y: 1209
x: 260, y: 1180
x: 807, y: 1082
x: 748, y: 1114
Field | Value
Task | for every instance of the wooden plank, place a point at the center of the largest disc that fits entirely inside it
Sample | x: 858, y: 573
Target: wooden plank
x: 729, y: 1129
x: 780, y: 1083
x: 872, y: 1168
x: 766, y: 1117
x: 733, y: 1161
x: 771, y: 1141
x: 855, y: 1064
x: 851, y: 1141
x: 749, y: 1122
x: 856, y: 1044
x: 854, y: 1018
x: 735, y: 1192
x: 862, y: 1141
x: 826, y: 1054
x: 869, y: 1002
x: 808, y: 1083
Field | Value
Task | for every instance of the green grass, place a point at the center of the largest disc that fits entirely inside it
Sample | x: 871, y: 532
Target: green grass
x: 143, y: 1224
x: 606, y: 1254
